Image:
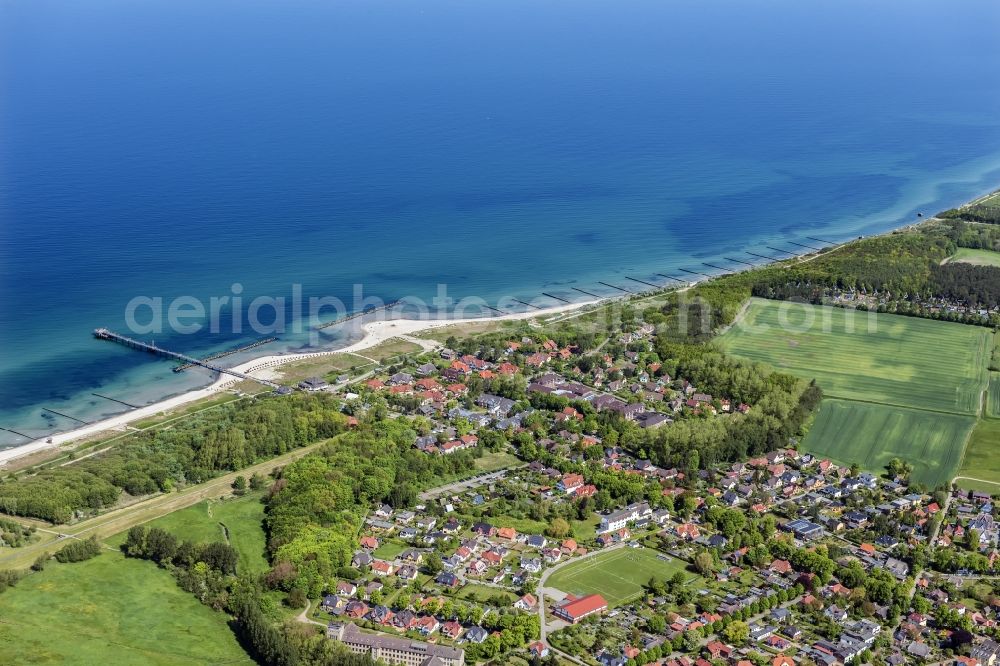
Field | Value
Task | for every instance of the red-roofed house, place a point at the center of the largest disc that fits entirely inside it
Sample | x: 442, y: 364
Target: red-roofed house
x: 537, y: 359
x: 719, y: 650
x: 781, y: 566
x: 688, y: 531
x: 539, y: 649
x: 428, y: 624
x: 380, y: 567
x: 508, y: 533
x: 452, y: 629
x: 570, y: 482
x: 526, y: 603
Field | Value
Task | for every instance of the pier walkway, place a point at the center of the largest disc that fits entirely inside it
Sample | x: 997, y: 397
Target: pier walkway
x: 105, y: 334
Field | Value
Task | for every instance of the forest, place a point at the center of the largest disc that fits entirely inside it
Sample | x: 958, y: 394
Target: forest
x: 904, y: 267
x: 315, y: 508
x: 192, y: 451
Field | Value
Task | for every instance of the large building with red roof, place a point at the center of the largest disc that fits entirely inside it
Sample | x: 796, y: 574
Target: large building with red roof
x: 573, y: 610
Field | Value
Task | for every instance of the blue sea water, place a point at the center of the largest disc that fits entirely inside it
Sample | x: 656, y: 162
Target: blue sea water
x: 502, y: 147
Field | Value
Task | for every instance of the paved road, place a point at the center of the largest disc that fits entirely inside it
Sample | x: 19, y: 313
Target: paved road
x: 462, y: 486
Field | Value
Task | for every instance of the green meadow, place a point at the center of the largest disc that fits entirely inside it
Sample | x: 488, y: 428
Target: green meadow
x: 982, y: 458
x: 993, y: 396
x: 111, y: 610
x: 968, y: 255
x: 236, y: 520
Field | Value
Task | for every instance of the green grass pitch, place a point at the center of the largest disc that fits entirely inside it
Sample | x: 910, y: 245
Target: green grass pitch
x: 982, y: 458
x: 618, y: 575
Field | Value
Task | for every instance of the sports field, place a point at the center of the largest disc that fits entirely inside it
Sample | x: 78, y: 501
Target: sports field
x: 888, y: 359
x: 968, y: 255
x: 111, y: 610
x: 871, y: 435
x: 617, y: 575
x: 982, y: 458
x: 238, y: 520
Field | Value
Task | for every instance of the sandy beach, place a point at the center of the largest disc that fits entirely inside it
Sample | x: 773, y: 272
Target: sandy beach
x: 375, y: 333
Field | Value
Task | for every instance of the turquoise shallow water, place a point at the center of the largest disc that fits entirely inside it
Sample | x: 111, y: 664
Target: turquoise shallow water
x: 502, y: 148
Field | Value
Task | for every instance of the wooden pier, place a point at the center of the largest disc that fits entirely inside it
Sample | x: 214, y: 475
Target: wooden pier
x: 105, y: 334
x: 349, y: 317
x: 557, y: 298
x: 120, y: 402
x: 808, y: 247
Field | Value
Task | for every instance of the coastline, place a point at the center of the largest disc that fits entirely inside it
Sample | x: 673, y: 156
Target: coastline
x: 375, y: 333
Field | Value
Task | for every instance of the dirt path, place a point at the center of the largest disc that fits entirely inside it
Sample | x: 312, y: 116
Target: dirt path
x: 972, y: 478
x: 304, y: 616
x: 121, y: 519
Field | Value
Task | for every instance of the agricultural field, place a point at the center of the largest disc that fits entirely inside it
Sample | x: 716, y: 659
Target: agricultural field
x: 966, y: 255
x: 993, y: 396
x: 982, y: 458
x: 871, y: 435
x: 238, y: 520
x: 887, y: 359
x: 111, y: 610
x: 618, y: 575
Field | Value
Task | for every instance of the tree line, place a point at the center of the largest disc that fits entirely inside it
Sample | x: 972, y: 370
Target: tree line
x: 229, y: 438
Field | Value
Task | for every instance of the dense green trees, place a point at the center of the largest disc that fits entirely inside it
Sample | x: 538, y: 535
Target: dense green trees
x: 77, y: 551
x: 164, y: 548
x: 780, y: 403
x: 191, y: 451
x: 315, y: 508
x: 906, y: 265
x: 986, y: 211
x: 14, y: 534
x: 8, y: 578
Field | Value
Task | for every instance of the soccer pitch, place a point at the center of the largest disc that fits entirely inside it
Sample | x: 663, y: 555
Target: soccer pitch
x: 618, y: 575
